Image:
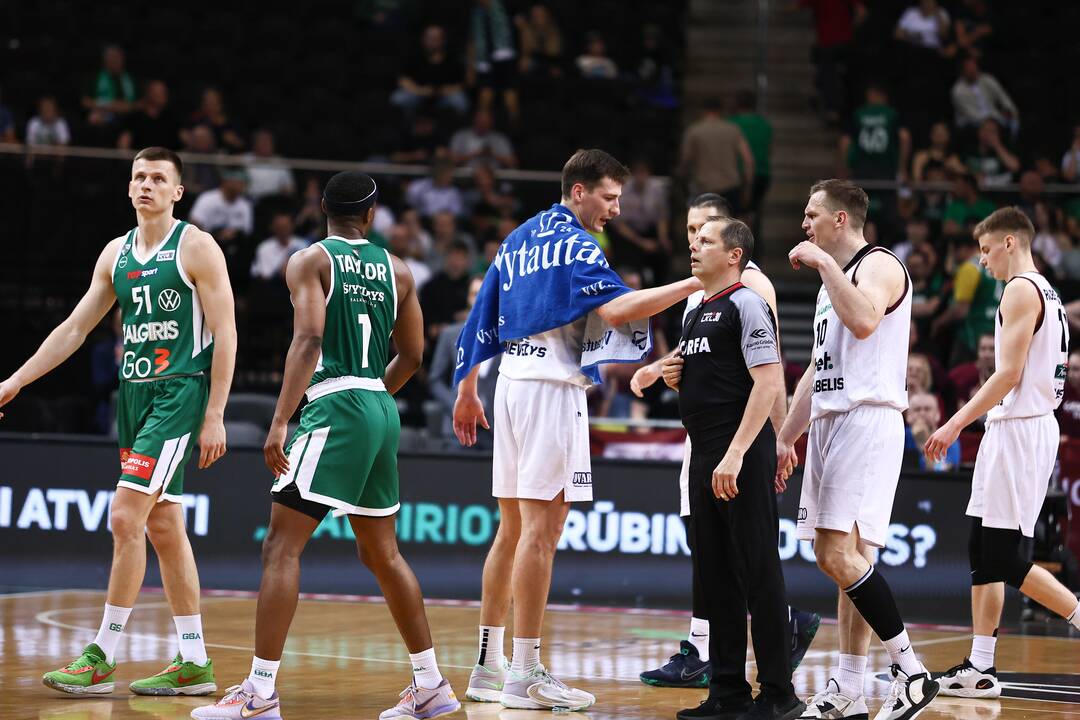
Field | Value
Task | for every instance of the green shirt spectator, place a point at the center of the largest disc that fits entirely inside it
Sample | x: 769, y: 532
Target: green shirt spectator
x: 875, y: 145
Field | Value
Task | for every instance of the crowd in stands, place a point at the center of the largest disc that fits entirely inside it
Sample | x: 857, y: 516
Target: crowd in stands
x: 943, y: 117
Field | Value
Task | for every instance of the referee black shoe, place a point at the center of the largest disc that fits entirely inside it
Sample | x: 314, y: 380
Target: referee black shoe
x: 803, y: 627
x: 684, y: 669
x: 717, y: 709
x: 765, y: 708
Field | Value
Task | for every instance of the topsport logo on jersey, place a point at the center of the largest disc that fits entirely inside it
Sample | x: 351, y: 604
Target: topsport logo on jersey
x: 168, y: 299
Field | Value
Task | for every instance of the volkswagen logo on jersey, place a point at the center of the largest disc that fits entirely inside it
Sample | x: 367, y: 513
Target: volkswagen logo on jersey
x: 168, y: 299
x: 122, y: 262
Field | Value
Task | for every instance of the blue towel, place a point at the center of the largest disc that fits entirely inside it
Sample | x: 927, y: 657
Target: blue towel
x: 548, y: 273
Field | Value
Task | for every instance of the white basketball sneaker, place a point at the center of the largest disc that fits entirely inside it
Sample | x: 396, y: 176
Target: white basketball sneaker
x: 540, y: 690
x: 965, y: 680
x: 485, y: 684
x: 908, y: 696
x: 831, y: 704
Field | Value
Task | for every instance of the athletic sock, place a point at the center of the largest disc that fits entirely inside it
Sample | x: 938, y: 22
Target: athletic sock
x: 263, y: 676
x: 982, y: 651
x: 1074, y: 619
x: 699, y: 637
x: 491, y: 647
x: 189, y: 633
x: 425, y: 670
x: 526, y: 655
x: 874, y: 600
x: 850, y: 674
x: 112, y: 627
x: 903, y: 654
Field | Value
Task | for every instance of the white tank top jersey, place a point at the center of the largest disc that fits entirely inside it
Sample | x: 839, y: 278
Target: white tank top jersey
x: 1042, y: 381
x: 849, y: 372
x: 551, y: 355
x: 695, y: 298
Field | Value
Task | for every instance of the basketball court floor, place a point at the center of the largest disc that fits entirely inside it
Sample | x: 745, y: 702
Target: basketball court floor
x: 344, y: 660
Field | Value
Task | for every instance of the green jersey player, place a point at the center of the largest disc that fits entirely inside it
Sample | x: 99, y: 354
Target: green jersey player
x: 349, y: 296
x: 179, y: 347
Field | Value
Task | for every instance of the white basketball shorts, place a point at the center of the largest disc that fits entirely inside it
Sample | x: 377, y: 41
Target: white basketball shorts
x: 541, y: 441
x: 1012, y: 472
x: 852, y: 467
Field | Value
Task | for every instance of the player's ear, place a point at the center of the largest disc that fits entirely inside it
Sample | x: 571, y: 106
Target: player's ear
x: 370, y: 215
x: 841, y: 217
x: 178, y: 193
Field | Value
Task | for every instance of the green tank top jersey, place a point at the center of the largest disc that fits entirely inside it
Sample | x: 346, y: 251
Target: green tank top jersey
x: 361, y: 307
x: 875, y: 142
x: 983, y: 310
x: 165, y: 332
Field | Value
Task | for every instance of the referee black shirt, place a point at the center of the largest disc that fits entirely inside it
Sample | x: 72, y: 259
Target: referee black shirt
x: 723, y: 338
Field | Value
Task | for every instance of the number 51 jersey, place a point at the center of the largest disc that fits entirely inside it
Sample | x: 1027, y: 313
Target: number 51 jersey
x: 164, y: 329
x: 849, y: 372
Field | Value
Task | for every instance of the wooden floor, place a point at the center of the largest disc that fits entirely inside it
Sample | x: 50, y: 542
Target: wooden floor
x: 345, y: 660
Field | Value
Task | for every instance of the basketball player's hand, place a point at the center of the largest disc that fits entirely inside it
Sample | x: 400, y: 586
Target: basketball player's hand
x: 468, y: 411
x: 644, y: 377
x: 808, y: 254
x: 274, y: 450
x: 786, y: 460
x: 8, y: 391
x: 211, y: 442
x: 672, y: 371
x: 725, y: 475
x: 940, y: 441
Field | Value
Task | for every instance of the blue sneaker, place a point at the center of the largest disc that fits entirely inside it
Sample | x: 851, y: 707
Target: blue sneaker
x: 803, y: 626
x: 685, y: 669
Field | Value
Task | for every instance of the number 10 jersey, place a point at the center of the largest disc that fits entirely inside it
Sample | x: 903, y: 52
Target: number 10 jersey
x: 849, y: 372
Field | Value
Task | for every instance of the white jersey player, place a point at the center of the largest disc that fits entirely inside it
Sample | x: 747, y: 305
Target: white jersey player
x: 689, y: 667
x: 1017, y: 453
x: 852, y: 398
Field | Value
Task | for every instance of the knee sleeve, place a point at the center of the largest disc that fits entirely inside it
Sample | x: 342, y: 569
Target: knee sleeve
x: 998, y: 558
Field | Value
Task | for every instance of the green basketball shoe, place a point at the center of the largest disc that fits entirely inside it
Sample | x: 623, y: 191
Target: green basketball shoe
x: 180, y: 678
x: 87, y: 674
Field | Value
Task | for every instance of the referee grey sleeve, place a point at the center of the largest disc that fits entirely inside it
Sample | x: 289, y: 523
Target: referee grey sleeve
x: 757, y: 329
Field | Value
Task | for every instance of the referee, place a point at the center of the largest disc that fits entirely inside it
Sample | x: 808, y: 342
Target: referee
x: 728, y: 371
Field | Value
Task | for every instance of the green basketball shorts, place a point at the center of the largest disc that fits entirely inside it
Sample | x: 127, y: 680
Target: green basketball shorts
x: 344, y: 454
x: 158, y: 425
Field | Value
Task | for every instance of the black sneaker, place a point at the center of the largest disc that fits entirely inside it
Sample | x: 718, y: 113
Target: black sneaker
x: 716, y: 709
x: 766, y: 709
x: 803, y: 627
x: 685, y: 669
x: 908, y: 696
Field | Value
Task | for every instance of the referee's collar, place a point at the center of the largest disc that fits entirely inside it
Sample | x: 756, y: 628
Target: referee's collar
x: 726, y: 291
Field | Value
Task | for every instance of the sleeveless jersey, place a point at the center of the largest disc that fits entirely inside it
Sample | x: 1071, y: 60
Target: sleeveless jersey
x: 164, y: 329
x: 361, y: 307
x: 1042, y: 382
x: 849, y: 372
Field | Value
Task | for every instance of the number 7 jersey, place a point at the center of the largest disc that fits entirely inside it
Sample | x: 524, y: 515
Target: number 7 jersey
x: 361, y: 307
x: 165, y: 332
x: 1042, y: 381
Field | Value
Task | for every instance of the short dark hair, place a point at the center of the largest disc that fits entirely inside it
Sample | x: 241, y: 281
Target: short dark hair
x: 590, y: 168
x: 1011, y: 220
x: 711, y: 200
x: 161, y: 153
x: 735, y: 234
x: 458, y: 246
x: 349, y: 194
x: 844, y: 195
